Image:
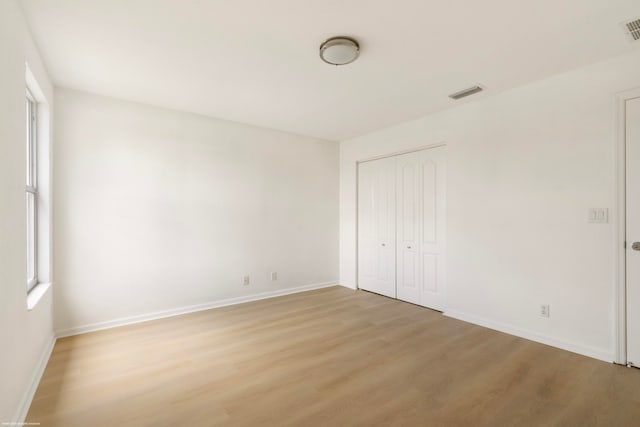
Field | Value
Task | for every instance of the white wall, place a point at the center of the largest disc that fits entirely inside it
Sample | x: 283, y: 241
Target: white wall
x: 25, y: 336
x: 158, y: 209
x: 523, y: 168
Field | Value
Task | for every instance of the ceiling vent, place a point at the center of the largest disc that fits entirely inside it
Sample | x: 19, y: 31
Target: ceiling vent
x: 466, y: 92
x: 632, y: 28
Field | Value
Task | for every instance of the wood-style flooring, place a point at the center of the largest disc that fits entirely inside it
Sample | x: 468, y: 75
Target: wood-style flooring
x: 331, y: 357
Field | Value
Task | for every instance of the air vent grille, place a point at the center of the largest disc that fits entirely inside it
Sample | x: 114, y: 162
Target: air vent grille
x: 466, y: 92
x: 633, y: 29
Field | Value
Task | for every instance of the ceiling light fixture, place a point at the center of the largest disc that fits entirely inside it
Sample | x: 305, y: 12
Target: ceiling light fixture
x: 339, y: 50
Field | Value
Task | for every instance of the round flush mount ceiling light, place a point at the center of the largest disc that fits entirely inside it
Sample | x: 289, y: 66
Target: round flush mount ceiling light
x: 339, y: 50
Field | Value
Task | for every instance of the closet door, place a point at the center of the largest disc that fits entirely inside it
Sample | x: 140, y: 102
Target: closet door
x: 408, y: 233
x: 632, y: 138
x: 421, y: 228
x: 377, y: 226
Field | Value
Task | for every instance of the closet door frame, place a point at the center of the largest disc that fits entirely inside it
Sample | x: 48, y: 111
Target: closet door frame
x: 618, y: 220
x: 378, y: 157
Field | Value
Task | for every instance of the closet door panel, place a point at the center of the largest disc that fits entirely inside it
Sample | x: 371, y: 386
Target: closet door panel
x: 432, y: 224
x: 430, y: 272
x: 366, y: 224
x: 408, y: 213
x: 401, y: 227
x: 377, y: 226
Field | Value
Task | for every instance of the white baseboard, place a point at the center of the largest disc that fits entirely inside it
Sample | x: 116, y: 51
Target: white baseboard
x: 595, y: 353
x: 348, y: 285
x: 27, y: 398
x: 92, y: 327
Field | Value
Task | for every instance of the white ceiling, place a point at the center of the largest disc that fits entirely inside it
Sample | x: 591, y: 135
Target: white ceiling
x: 256, y: 61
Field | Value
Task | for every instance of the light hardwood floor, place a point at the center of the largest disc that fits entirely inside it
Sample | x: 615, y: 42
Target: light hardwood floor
x: 332, y: 357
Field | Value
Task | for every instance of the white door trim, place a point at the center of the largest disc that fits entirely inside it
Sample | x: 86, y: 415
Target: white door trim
x: 398, y: 153
x: 620, y: 299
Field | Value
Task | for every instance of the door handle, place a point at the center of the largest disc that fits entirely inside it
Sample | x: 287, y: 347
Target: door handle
x: 635, y: 246
x: 384, y: 244
x: 408, y: 247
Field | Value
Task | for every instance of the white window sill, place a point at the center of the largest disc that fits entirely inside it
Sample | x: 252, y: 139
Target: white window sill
x: 36, y: 294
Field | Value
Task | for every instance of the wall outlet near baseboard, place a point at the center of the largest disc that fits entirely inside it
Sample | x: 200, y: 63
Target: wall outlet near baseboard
x: 274, y: 276
x: 247, y: 281
x: 544, y: 310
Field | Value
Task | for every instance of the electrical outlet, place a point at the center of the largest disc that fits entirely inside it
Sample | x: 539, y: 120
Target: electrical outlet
x: 274, y: 276
x: 247, y: 281
x: 544, y: 310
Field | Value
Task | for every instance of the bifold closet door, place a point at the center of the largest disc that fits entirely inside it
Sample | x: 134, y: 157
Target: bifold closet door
x: 376, y: 226
x: 420, y: 199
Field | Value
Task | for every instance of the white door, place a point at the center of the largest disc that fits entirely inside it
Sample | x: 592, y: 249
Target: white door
x: 633, y: 229
x: 377, y: 226
x: 421, y: 227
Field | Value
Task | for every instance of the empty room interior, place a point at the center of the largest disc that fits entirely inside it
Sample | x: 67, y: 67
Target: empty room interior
x: 288, y: 213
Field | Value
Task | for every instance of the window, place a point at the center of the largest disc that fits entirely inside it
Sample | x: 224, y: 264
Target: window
x: 32, y: 191
x: 37, y: 117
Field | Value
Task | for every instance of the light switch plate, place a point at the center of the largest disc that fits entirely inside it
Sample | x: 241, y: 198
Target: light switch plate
x: 598, y: 215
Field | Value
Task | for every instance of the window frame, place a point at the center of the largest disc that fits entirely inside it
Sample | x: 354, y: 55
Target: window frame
x: 32, y: 189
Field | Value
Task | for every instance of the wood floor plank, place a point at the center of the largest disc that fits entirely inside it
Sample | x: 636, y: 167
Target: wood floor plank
x: 331, y: 357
